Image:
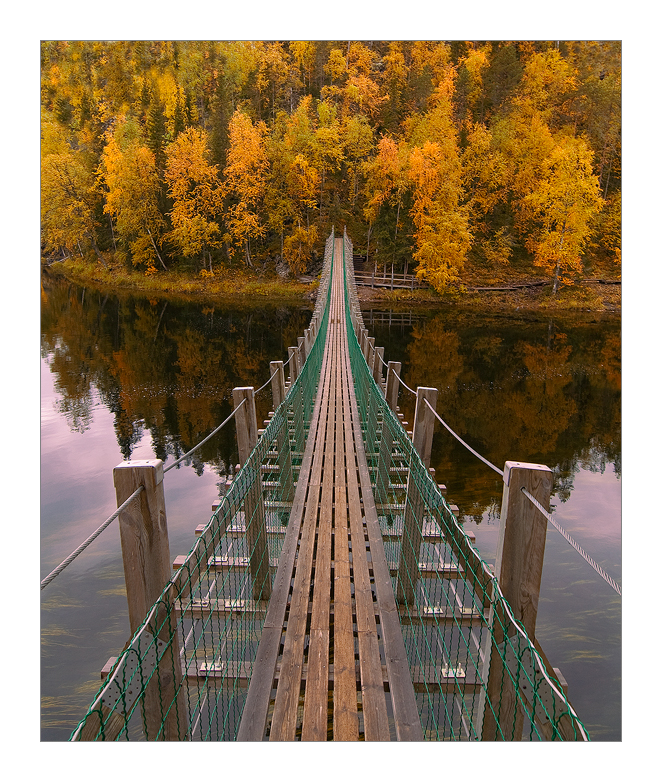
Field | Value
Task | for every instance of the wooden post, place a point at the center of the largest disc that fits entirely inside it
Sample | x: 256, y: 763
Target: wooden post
x: 370, y: 358
x: 424, y: 422
x: 147, y: 567
x: 256, y: 532
x: 302, y: 351
x: 293, y: 356
x: 518, y: 568
x: 393, y: 384
x: 307, y: 339
x: 277, y: 382
x: 377, y: 368
x: 364, y: 342
x: 410, y: 548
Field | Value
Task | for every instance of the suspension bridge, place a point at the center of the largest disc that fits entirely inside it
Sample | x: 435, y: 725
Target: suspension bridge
x: 332, y: 595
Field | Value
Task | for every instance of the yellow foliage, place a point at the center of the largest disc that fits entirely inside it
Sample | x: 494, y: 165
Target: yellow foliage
x: 195, y: 189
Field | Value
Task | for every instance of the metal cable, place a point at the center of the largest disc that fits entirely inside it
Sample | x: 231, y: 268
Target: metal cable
x: 208, y: 437
x: 573, y: 543
x: 261, y: 388
x: 107, y: 522
x: 402, y: 382
x: 87, y: 542
x: 457, y: 437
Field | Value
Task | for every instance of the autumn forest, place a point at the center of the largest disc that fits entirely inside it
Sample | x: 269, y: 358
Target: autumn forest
x: 453, y: 160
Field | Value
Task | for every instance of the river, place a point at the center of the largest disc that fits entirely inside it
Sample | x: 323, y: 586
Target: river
x: 135, y: 377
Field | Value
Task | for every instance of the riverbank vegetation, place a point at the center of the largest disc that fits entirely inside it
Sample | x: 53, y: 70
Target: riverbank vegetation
x: 468, y: 163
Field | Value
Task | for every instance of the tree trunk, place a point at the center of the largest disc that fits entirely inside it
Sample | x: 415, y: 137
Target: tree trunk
x: 558, y: 263
x: 96, y: 250
x: 156, y: 250
x: 112, y: 232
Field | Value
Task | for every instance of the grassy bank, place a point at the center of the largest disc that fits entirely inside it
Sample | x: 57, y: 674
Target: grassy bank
x: 245, y: 286
x: 235, y: 284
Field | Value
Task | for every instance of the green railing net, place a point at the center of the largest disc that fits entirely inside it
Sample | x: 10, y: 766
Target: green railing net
x: 184, y: 675
x: 458, y: 629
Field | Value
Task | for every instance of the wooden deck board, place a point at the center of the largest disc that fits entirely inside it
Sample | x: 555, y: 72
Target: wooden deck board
x: 329, y: 621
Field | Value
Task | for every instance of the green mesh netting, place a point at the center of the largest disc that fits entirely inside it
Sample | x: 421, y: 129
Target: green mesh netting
x: 185, y: 673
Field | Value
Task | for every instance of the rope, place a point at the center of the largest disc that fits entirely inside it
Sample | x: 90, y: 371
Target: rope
x: 457, y: 437
x: 573, y: 543
x: 208, y: 437
x: 87, y: 542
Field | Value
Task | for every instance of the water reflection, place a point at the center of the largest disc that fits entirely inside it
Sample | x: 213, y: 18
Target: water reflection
x: 128, y: 377
x: 543, y: 391
x: 160, y: 366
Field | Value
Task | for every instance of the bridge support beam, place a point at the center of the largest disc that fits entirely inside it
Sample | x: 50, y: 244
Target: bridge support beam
x: 147, y: 567
x: 256, y: 531
x: 518, y: 568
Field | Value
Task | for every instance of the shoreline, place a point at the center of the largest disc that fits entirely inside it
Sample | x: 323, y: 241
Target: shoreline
x: 241, y: 287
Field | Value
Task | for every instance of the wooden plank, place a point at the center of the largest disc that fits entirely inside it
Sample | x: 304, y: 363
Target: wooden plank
x: 375, y: 717
x: 284, y: 719
x: 255, y: 712
x: 315, y: 712
x: 345, y: 705
x: 405, y: 710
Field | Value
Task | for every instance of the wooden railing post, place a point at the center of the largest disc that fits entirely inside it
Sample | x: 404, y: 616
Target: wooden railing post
x: 363, y: 342
x: 393, y: 385
x: 147, y: 567
x: 377, y: 368
x: 277, y: 382
x: 256, y: 533
x: 295, y: 367
x: 518, y: 568
x: 370, y: 358
x: 424, y: 422
x: 302, y: 351
x: 282, y: 439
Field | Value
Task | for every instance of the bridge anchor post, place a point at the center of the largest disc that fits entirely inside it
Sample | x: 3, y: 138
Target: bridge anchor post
x: 518, y: 568
x: 256, y: 528
x: 147, y: 567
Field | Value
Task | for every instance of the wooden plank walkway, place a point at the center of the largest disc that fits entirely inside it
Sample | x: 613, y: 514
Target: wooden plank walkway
x: 331, y: 663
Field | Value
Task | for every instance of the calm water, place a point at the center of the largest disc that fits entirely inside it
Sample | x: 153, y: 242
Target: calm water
x: 136, y: 378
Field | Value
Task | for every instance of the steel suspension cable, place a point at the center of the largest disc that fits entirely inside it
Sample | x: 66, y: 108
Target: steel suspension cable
x: 402, y: 383
x: 89, y: 540
x: 208, y: 437
x: 457, y: 437
x: 111, y: 518
x: 573, y: 543
x: 261, y: 388
x: 547, y: 515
